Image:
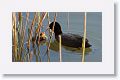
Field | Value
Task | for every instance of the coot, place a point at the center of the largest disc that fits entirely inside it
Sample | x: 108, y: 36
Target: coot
x: 40, y: 38
x: 68, y: 39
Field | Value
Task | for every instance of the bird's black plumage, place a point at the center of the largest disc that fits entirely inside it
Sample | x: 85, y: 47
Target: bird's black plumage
x: 68, y: 39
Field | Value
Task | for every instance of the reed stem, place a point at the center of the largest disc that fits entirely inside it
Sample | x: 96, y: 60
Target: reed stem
x: 41, y: 20
x: 14, y: 36
x: 60, y: 48
x: 50, y: 37
x: 84, y: 38
x: 54, y: 22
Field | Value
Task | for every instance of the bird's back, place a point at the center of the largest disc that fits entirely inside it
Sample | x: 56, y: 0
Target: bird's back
x: 71, y: 40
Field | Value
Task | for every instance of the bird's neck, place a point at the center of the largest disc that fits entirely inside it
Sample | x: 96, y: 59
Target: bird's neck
x: 57, y: 36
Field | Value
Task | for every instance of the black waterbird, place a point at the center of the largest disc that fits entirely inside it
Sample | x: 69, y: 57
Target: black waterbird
x: 68, y: 39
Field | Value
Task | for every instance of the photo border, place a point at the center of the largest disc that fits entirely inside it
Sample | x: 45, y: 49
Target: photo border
x: 104, y: 67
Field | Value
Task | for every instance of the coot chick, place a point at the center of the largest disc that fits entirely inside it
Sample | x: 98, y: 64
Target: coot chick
x: 68, y: 39
x: 41, y: 38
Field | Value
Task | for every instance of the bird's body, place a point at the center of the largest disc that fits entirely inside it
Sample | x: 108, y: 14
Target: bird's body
x: 68, y: 39
x: 72, y: 40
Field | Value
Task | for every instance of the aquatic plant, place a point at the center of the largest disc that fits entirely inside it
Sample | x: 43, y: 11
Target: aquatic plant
x: 84, y: 38
x: 14, y: 35
x: 60, y: 48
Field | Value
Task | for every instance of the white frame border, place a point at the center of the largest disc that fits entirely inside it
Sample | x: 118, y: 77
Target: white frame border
x: 104, y: 67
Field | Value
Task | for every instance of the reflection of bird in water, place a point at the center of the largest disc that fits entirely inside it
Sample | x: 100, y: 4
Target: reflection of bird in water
x: 55, y: 47
x: 68, y: 39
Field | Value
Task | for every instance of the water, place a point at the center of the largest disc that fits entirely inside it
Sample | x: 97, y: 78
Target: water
x: 76, y: 20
